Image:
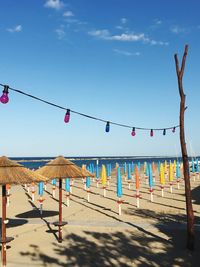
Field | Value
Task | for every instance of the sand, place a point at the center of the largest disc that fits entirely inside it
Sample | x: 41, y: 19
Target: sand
x: 152, y: 235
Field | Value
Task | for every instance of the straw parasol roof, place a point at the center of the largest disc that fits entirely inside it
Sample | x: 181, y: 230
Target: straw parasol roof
x: 12, y: 172
x: 62, y: 168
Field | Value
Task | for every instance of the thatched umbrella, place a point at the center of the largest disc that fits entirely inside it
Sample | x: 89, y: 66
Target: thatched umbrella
x: 61, y: 168
x: 12, y: 173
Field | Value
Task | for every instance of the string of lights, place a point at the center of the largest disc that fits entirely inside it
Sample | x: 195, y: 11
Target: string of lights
x: 4, y: 99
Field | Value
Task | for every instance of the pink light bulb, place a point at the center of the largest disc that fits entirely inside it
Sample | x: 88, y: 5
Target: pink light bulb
x: 133, y: 133
x: 151, y: 133
x: 67, y: 116
x: 4, y: 98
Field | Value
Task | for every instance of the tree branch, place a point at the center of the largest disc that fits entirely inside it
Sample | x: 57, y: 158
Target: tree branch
x: 177, y: 64
x: 183, y: 60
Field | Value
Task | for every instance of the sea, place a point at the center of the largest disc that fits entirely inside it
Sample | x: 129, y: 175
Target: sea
x: 37, y: 162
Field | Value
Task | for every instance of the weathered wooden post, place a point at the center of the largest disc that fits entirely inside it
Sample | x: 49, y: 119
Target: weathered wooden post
x: 189, y: 208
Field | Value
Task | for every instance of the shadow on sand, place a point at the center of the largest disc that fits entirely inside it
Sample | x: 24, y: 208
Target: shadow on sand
x: 14, y: 222
x: 35, y: 213
x: 122, y: 248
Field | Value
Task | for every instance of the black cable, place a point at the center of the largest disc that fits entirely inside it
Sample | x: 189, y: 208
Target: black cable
x: 88, y: 116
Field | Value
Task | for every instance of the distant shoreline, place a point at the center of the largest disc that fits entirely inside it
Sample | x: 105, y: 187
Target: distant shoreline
x: 46, y: 159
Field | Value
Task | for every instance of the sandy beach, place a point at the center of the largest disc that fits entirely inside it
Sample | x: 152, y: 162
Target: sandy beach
x: 93, y: 89
x: 152, y: 235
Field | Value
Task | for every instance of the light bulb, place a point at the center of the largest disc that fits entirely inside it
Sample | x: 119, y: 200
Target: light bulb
x: 173, y: 130
x: 164, y: 132
x: 107, y: 126
x: 151, y: 133
x: 133, y: 133
x: 4, y: 98
x: 67, y: 116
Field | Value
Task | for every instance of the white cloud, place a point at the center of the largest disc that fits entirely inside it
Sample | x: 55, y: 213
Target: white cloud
x: 125, y: 37
x: 119, y: 27
x: 60, y: 32
x: 157, y: 24
x: 128, y: 37
x: 176, y: 29
x: 122, y: 25
x: 17, y: 28
x: 55, y: 4
x: 126, y: 53
x: 70, y: 20
x: 161, y: 43
x: 123, y: 20
x: 68, y: 14
x: 122, y: 28
x: 105, y: 34
x: 158, y: 21
x: 102, y: 34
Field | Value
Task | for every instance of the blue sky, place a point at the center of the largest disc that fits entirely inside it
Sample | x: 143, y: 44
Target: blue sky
x: 113, y: 59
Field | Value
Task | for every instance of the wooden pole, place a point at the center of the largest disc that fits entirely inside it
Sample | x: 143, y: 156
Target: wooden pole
x: 3, y: 226
x: 60, y: 212
x: 189, y: 208
x: 60, y: 222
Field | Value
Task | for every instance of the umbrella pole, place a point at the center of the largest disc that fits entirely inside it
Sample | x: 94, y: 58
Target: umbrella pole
x: 71, y: 185
x: 104, y: 191
x: 67, y: 196
x: 151, y: 193
x: 88, y: 194
x: 45, y: 186
x: 171, y: 189
x: 129, y: 185
x: 178, y: 186
x: 53, y: 192
x: 60, y: 212
x: 3, y: 226
x: 8, y: 197
x: 138, y: 198
x: 119, y: 206
x: 162, y: 191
